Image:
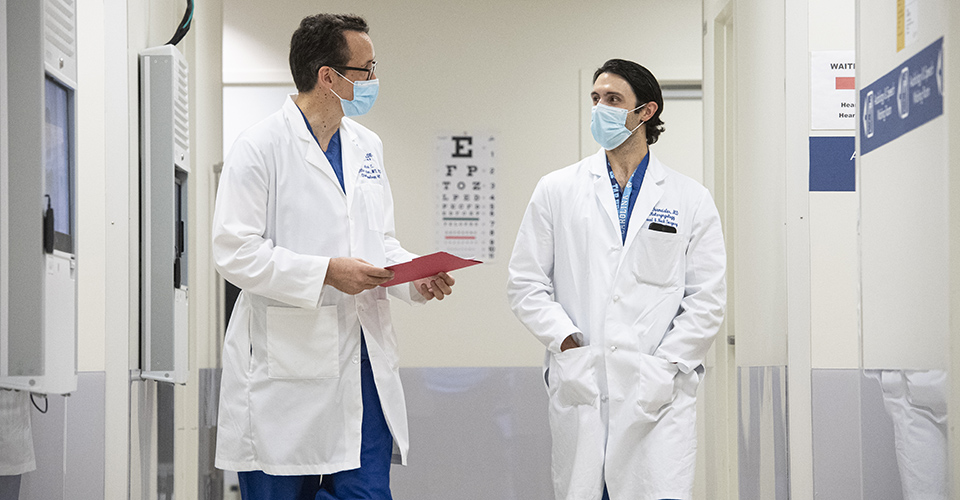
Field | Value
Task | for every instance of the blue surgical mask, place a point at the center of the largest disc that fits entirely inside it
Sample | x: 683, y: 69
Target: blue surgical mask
x: 364, y: 95
x: 609, y: 125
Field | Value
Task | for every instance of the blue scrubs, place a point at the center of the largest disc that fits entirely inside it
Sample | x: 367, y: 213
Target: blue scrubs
x: 628, y: 197
x: 372, y: 480
x: 606, y: 497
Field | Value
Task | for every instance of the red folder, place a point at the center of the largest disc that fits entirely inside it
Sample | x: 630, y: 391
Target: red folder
x: 426, y: 266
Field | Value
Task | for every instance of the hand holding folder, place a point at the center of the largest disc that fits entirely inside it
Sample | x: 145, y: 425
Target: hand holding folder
x: 427, y: 266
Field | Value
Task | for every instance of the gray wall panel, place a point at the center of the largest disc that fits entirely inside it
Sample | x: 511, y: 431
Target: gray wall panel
x: 85, y: 437
x: 476, y: 433
x: 836, y: 434
x: 71, y: 465
x: 46, y: 482
x: 210, y: 478
x: 763, y: 455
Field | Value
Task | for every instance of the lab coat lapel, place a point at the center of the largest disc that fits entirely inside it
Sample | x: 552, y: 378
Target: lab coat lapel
x: 651, y: 190
x: 352, y: 158
x: 603, y: 189
x: 312, y: 152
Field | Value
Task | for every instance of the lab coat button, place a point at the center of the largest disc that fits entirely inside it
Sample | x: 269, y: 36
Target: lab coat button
x: 604, y: 398
x: 356, y: 359
x: 613, y: 348
x: 616, y: 298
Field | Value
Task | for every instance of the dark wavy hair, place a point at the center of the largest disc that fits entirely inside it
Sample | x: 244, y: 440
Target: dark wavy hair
x: 645, y: 87
x: 319, y: 42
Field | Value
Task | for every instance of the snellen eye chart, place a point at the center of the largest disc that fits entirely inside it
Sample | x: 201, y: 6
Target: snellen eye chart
x: 466, y: 195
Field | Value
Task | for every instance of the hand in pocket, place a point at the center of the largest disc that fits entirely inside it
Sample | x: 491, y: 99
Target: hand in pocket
x: 576, y: 376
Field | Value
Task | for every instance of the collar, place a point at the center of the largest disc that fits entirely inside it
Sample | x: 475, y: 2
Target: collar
x: 597, y: 164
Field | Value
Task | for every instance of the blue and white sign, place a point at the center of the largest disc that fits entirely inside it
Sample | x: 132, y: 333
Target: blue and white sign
x: 833, y: 164
x: 903, y: 99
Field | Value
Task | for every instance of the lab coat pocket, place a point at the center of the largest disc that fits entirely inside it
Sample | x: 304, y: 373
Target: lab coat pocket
x: 656, y: 385
x: 373, y: 204
x: 303, y: 343
x: 574, y: 372
x: 659, y: 258
x: 927, y: 389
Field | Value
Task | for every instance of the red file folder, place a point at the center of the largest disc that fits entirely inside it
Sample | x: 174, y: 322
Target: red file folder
x: 426, y: 266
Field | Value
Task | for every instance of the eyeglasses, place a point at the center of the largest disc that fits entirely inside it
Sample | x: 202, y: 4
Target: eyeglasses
x: 369, y: 71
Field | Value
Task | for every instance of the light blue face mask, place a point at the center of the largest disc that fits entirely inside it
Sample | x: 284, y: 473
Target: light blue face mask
x: 364, y: 95
x: 608, y: 125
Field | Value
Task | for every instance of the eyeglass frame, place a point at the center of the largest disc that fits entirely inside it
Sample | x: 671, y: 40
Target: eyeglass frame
x: 370, y: 70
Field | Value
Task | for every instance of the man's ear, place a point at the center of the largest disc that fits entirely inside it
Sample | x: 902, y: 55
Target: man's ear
x: 649, y: 110
x: 325, y: 77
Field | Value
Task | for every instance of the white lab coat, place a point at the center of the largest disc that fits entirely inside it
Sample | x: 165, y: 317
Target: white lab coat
x: 623, y: 406
x: 16, y: 438
x: 290, y: 400
x: 917, y: 404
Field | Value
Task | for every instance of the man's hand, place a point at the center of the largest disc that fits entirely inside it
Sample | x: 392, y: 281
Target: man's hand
x: 352, y: 276
x: 435, y: 286
x: 569, y: 343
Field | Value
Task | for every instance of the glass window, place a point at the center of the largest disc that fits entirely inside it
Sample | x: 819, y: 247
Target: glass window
x: 58, y: 161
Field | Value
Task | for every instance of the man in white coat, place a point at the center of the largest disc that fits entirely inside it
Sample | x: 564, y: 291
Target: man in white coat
x: 311, y: 405
x: 618, y: 269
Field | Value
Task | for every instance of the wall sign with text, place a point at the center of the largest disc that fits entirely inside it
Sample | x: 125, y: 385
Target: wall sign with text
x: 466, y: 195
x: 833, y: 90
x: 903, y: 99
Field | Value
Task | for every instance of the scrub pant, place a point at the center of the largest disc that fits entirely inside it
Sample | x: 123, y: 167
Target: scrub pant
x: 370, y: 482
x: 10, y: 487
x: 607, y: 497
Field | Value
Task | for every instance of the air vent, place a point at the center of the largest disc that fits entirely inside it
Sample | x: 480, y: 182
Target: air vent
x: 181, y: 108
x: 60, y: 26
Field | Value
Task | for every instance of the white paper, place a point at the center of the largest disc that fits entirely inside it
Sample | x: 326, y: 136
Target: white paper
x: 911, y: 28
x: 832, y: 107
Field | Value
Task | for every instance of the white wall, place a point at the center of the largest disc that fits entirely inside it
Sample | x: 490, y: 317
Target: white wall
x: 510, y: 68
x: 757, y: 122
x: 110, y: 35
x: 834, y: 259
x: 91, y: 193
x: 905, y: 312
x: 759, y: 246
x: 904, y: 209
x: 953, y: 109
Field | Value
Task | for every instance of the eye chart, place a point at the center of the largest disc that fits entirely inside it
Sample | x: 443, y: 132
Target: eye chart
x: 466, y: 195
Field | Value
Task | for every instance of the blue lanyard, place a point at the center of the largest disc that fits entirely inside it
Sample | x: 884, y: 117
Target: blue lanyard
x: 626, y: 199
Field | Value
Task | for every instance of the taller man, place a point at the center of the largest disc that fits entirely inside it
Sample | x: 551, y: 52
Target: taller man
x: 304, y: 226
x: 618, y: 269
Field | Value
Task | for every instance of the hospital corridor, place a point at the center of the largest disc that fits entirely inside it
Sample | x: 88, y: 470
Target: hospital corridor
x: 614, y: 250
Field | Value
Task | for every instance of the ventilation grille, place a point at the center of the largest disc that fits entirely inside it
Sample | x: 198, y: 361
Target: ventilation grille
x: 181, y: 117
x: 60, y: 25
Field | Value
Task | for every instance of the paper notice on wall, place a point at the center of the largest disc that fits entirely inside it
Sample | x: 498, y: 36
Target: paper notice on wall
x: 466, y: 195
x: 833, y: 90
x: 907, y: 23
